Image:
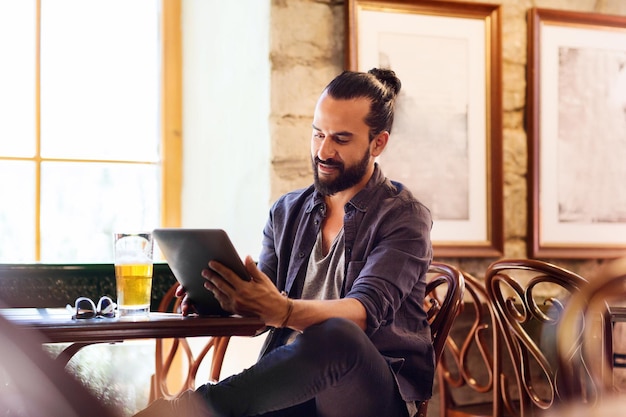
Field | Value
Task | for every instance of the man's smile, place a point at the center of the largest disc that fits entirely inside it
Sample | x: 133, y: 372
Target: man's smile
x: 328, y: 166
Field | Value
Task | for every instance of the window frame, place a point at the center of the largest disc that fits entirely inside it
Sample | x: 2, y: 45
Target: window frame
x: 172, y: 116
x: 171, y: 120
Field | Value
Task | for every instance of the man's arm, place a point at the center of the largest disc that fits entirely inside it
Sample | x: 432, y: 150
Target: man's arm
x: 308, y: 312
x: 259, y: 297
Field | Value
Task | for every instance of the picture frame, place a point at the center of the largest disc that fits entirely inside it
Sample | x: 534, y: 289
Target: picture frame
x: 446, y: 144
x: 576, y: 134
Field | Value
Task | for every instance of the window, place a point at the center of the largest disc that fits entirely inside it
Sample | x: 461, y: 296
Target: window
x: 89, y: 125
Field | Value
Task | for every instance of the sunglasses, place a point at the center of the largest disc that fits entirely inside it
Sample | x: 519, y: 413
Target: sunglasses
x: 85, y: 308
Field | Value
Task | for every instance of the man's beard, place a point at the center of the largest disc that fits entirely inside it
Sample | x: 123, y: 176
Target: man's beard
x: 348, y: 177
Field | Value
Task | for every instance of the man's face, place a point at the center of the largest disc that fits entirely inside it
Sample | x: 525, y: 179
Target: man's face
x: 340, y: 147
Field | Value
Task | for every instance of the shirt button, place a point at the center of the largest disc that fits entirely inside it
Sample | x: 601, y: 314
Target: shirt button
x: 301, y: 254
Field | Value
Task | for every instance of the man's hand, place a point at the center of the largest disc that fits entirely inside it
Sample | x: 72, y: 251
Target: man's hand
x: 186, y: 306
x: 258, y: 297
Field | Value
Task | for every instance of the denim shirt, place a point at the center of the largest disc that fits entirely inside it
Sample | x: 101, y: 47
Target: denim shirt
x: 387, y: 254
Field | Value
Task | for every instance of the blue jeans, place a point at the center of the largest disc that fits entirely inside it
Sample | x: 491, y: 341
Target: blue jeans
x: 331, y: 369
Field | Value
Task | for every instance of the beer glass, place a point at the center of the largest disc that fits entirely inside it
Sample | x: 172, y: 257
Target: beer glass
x: 133, y: 273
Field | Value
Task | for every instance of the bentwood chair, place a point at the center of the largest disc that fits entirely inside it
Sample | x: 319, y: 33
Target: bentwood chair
x: 585, y: 337
x: 168, y: 353
x: 444, y: 295
x: 470, y: 372
x: 529, y: 297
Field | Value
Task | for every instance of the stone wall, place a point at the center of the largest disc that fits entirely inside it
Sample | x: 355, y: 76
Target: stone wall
x: 307, y: 50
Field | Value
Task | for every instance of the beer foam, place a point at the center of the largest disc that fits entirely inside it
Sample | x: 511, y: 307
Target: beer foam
x: 131, y: 259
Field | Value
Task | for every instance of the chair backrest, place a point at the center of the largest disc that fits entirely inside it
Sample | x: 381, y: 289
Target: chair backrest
x: 442, y: 309
x: 585, y: 337
x: 444, y: 294
x: 180, y: 348
x: 469, y: 373
x: 529, y: 297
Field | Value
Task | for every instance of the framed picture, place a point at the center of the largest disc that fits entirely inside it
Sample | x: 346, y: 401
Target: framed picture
x: 576, y: 134
x: 446, y: 143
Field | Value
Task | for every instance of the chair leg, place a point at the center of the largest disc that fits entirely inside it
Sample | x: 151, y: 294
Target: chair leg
x: 153, y: 389
x: 219, y: 351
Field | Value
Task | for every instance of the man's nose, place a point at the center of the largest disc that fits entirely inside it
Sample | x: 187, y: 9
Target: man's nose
x: 326, y: 149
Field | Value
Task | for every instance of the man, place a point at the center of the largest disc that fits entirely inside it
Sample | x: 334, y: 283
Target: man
x: 340, y: 280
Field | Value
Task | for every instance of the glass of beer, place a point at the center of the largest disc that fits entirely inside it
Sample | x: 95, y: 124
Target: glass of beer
x: 133, y: 273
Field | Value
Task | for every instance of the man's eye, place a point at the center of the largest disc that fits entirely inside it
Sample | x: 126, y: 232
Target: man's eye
x: 318, y: 135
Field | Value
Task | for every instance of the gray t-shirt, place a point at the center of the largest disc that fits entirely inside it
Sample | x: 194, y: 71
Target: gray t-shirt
x: 324, y: 274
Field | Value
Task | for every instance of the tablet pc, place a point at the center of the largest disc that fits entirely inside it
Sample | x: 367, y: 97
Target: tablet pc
x: 188, y: 252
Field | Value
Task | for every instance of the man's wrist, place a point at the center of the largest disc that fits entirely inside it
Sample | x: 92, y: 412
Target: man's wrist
x: 285, y: 321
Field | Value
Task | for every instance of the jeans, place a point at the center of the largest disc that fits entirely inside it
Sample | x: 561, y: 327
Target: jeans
x: 331, y: 369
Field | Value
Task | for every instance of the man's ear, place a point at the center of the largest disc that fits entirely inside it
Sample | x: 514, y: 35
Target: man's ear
x: 379, y: 143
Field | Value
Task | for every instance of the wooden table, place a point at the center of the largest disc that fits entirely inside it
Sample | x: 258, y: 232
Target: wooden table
x: 55, y: 325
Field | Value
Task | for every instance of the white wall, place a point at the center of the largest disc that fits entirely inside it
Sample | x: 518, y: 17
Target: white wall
x: 226, y: 154
x: 226, y: 144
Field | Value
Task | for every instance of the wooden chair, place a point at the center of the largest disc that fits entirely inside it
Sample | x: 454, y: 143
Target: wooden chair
x: 529, y: 297
x: 585, y: 337
x: 444, y: 295
x: 180, y: 347
x: 470, y: 373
